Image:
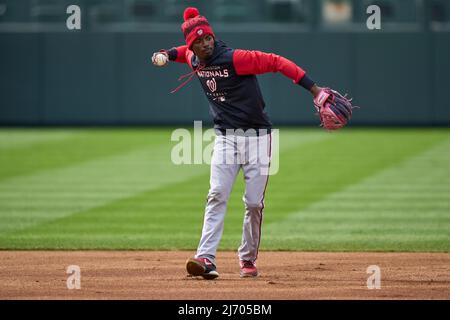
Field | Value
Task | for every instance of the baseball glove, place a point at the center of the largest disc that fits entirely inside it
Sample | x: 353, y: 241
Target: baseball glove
x: 334, y: 109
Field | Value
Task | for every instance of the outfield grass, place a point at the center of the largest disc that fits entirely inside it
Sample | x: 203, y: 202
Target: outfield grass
x: 354, y: 190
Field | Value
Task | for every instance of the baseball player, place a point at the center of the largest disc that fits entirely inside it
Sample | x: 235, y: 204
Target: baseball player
x: 243, y: 132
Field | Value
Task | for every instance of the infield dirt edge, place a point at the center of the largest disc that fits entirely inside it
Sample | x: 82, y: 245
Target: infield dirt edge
x: 161, y: 275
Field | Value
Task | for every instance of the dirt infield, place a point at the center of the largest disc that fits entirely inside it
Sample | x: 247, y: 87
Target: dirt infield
x: 284, y: 275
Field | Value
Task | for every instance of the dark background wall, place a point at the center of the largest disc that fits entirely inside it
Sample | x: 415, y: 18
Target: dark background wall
x: 398, y: 76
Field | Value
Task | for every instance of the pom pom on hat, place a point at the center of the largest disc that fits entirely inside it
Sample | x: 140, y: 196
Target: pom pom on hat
x: 190, y: 13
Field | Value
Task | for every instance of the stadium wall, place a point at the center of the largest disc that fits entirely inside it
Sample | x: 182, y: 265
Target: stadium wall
x: 106, y: 78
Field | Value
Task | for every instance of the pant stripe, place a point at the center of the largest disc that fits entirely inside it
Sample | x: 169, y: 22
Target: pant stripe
x: 264, y: 194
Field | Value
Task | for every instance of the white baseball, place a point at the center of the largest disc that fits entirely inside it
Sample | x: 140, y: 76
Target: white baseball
x: 160, y: 59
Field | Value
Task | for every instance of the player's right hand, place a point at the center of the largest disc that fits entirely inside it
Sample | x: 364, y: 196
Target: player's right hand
x: 160, y: 59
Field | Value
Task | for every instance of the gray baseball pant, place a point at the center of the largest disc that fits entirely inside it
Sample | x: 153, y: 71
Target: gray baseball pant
x: 230, y: 153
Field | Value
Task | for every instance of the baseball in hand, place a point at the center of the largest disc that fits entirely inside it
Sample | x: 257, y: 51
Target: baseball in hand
x: 160, y: 59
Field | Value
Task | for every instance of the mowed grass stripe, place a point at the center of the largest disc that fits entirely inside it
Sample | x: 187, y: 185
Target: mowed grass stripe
x: 308, y: 175
x: 28, y: 151
x: 405, y: 207
x: 26, y: 201
x: 19, y: 138
x: 174, y: 212
x: 311, y: 173
x: 52, y: 194
x: 85, y: 145
x: 171, y: 217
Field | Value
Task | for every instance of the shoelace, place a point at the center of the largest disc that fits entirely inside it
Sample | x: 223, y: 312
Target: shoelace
x: 247, y: 264
x: 190, y: 75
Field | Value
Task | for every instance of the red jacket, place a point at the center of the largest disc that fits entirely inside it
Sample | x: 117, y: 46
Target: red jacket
x: 229, y: 82
x: 251, y: 62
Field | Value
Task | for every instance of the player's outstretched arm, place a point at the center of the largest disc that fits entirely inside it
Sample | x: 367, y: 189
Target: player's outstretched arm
x: 258, y: 62
x: 334, y: 109
x: 177, y: 54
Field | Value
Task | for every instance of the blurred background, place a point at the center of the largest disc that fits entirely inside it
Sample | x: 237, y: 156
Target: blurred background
x: 81, y: 187
x: 102, y: 74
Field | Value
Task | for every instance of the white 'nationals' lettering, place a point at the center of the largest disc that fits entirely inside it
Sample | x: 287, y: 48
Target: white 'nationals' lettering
x: 209, y: 74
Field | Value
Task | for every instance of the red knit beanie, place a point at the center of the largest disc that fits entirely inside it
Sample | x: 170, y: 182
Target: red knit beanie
x: 194, y: 26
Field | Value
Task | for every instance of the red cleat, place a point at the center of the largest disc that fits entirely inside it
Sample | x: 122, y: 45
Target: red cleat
x: 248, y: 269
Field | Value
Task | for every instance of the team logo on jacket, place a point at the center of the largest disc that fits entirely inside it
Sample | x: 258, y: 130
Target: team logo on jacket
x: 212, y: 85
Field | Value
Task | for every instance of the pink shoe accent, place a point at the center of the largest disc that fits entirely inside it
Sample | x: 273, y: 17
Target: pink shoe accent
x: 248, y: 269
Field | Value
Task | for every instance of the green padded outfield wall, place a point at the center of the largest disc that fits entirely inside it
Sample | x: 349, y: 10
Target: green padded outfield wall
x: 106, y: 78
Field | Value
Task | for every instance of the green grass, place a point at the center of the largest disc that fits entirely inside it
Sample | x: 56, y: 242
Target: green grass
x: 353, y: 190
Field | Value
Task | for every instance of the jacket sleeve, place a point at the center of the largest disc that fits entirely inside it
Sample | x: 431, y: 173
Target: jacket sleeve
x: 177, y: 54
x: 257, y: 62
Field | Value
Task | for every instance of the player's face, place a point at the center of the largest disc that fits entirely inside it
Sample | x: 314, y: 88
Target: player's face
x: 203, y: 47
